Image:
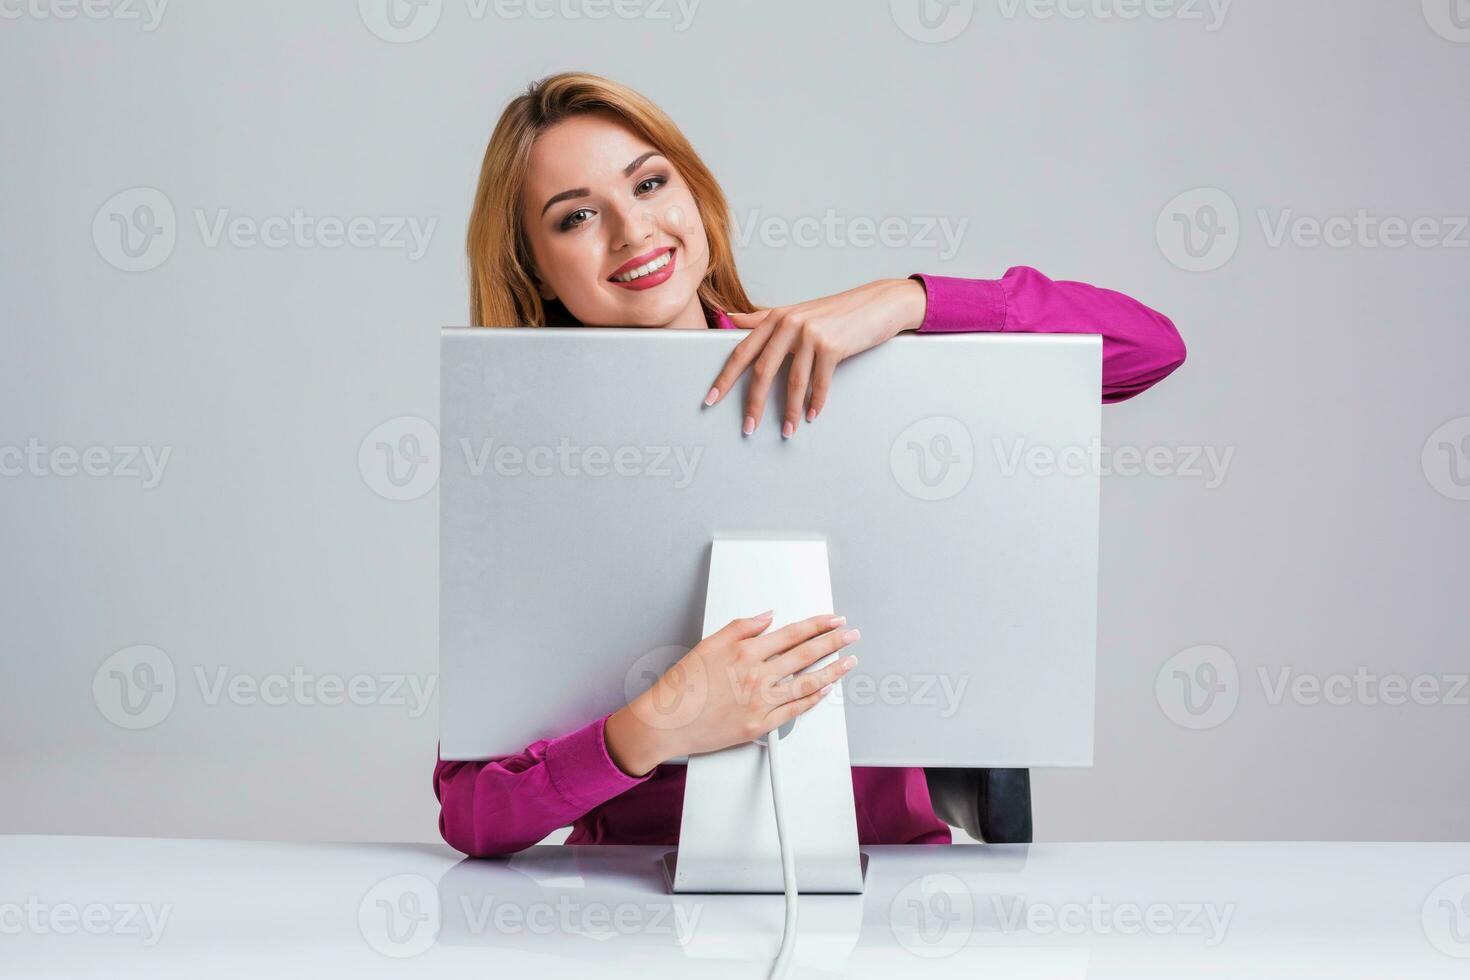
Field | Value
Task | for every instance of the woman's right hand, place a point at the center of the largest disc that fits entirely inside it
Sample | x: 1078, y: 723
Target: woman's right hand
x: 736, y: 685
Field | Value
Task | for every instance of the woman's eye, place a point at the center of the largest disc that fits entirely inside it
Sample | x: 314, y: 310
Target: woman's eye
x: 657, y: 182
x: 568, y: 223
x: 646, y: 186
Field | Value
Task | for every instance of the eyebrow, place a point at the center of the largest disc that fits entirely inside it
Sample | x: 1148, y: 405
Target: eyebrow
x: 583, y: 192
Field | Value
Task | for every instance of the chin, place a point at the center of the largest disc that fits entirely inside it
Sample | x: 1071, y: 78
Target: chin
x: 634, y: 311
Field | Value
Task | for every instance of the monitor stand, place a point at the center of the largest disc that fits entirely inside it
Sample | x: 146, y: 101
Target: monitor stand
x: 727, y: 835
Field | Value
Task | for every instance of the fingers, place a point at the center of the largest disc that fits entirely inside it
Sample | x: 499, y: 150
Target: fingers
x: 825, y: 364
x: 777, y: 344
x: 746, y: 627
x: 796, y: 381
x: 775, y: 335
x: 780, y: 716
x: 792, y: 635
x: 740, y: 358
x: 735, y: 364
x: 803, y: 684
x: 808, y: 653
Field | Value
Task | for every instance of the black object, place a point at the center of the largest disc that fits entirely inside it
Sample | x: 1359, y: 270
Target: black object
x: 991, y: 805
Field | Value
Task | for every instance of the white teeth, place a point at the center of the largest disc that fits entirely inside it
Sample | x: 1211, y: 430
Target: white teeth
x: 644, y: 270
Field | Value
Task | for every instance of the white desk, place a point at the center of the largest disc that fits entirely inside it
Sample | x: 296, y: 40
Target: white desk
x: 91, y: 906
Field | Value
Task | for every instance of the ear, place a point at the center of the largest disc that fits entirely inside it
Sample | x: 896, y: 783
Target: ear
x: 546, y: 291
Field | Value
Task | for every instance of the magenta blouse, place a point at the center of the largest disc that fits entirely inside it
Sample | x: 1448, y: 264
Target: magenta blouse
x: 511, y: 802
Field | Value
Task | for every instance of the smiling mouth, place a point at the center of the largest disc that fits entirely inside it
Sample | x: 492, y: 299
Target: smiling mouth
x: 646, y: 274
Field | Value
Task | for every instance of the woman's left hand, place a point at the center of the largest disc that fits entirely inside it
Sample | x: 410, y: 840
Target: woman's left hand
x: 817, y: 335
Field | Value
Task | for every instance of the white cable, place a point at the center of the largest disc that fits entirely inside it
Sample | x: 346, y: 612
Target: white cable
x: 788, y: 860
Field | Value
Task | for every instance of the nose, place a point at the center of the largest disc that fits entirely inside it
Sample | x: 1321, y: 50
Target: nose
x: 634, y: 224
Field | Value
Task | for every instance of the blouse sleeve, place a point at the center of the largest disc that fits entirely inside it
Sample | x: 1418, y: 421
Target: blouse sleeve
x: 510, y: 802
x: 1141, y: 347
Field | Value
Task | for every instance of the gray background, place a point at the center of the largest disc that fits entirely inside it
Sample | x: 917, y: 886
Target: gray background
x: 1328, y: 548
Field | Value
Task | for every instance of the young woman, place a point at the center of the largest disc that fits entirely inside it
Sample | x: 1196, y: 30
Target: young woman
x: 594, y: 210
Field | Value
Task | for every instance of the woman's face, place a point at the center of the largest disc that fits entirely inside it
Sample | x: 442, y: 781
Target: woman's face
x: 598, y: 197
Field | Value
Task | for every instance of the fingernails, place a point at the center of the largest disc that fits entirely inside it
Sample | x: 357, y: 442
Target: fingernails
x: 836, y: 621
x: 765, y: 615
x: 851, y: 635
x: 824, y: 690
x: 811, y: 414
x: 786, y: 429
x: 848, y: 663
x: 713, y: 394
x: 749, y: 426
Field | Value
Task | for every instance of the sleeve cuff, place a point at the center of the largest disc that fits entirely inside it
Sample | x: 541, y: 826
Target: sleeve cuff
x: 582, y: 771
x: 955, y: 305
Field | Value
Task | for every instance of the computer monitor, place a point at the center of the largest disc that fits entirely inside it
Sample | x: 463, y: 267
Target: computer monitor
x: 583, y: 481
x: 584, y: 484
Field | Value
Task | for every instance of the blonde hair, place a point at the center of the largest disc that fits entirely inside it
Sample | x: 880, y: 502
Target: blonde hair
x: 502, y: 287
